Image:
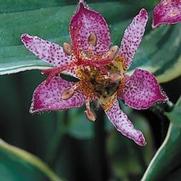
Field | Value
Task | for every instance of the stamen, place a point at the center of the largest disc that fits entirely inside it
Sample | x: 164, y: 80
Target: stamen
x: 92, y: 39
x: 115, y: 77
x: 67, y: 48
x: 111, y: 53
x: 69, y: 92
x: 90, y: 115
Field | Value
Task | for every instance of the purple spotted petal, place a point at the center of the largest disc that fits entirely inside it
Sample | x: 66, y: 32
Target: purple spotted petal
x: 47, y: 96
x: 124, y: 125
x: 142, y: 90
x: 167, y: 12
x: 132, y: 38
x: 85, y: 22
x: 49, y: 52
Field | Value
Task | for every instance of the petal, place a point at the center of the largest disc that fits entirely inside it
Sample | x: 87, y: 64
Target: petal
x: 124, y: 125
x: 132, y: 38
x: 167, y: 12
x: 83, y: 24
x: 49, y: 52
x: 48, y: 96
x: 141, y: 90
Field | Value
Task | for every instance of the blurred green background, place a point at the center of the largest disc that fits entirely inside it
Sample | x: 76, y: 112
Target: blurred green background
x: 72, y: 147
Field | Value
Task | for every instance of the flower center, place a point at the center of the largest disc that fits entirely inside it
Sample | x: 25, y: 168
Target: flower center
x: 100, y: 75
x: 95, y: 84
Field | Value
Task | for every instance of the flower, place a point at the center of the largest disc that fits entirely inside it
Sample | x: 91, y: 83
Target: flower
x: 167, y: 12
x: 100, y: 69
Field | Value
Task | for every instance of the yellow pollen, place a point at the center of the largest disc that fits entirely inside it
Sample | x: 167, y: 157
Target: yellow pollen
x: 117, y: 66
x: 96, y: 84
x: 107, y: 102
x: 85, y: 75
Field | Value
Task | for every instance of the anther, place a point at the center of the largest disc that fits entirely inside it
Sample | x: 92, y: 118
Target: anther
x: 68, y: 92
x: 67, y: 48
x: 115, y: 77
x: 90, y: 115
x: 112, y: 52
x: 92, y: 39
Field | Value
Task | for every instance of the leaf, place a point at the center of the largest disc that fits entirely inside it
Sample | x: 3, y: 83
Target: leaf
x: 78, y: 126
x: 175, y: 114
x: 51, y: 23
x: 167, y: 159
x: 17, y: 164
x: 21, y: 5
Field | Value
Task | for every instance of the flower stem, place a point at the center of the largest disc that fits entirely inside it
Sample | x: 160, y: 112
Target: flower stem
x: 100, y: 140
x: 162, y: 125
x: 165, y: 107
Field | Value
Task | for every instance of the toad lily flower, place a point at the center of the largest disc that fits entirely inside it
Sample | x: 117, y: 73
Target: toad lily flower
x: 167, y: 12
x: 100, y: 69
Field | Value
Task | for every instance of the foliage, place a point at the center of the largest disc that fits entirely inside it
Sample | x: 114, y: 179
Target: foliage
x: 73, y: 147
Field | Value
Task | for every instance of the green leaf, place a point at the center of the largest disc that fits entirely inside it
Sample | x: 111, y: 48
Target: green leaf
x: 17, y: 164
x: 167, y: 159
x: 78, y: 126
x: 21, y: 5
x: 159, y: 51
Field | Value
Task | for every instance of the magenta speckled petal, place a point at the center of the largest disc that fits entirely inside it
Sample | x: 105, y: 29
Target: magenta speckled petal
x: 47, y: 96
x: 49, y: 52
x: 85, y: 22
x: 167, y: 12
x: 142, y: 90
x: 132, y: 37
x: 124, y: 125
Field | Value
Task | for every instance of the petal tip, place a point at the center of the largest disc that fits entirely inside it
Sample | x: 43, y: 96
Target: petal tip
x: 153, y: 25
x: 140, y: 140
x: 163, y: 97
x: 155, y: 22
x: 82, y: 5
x: 34, y: 107
x: 143, y: 13
x: 32, y: 110
x: 26, y: 38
